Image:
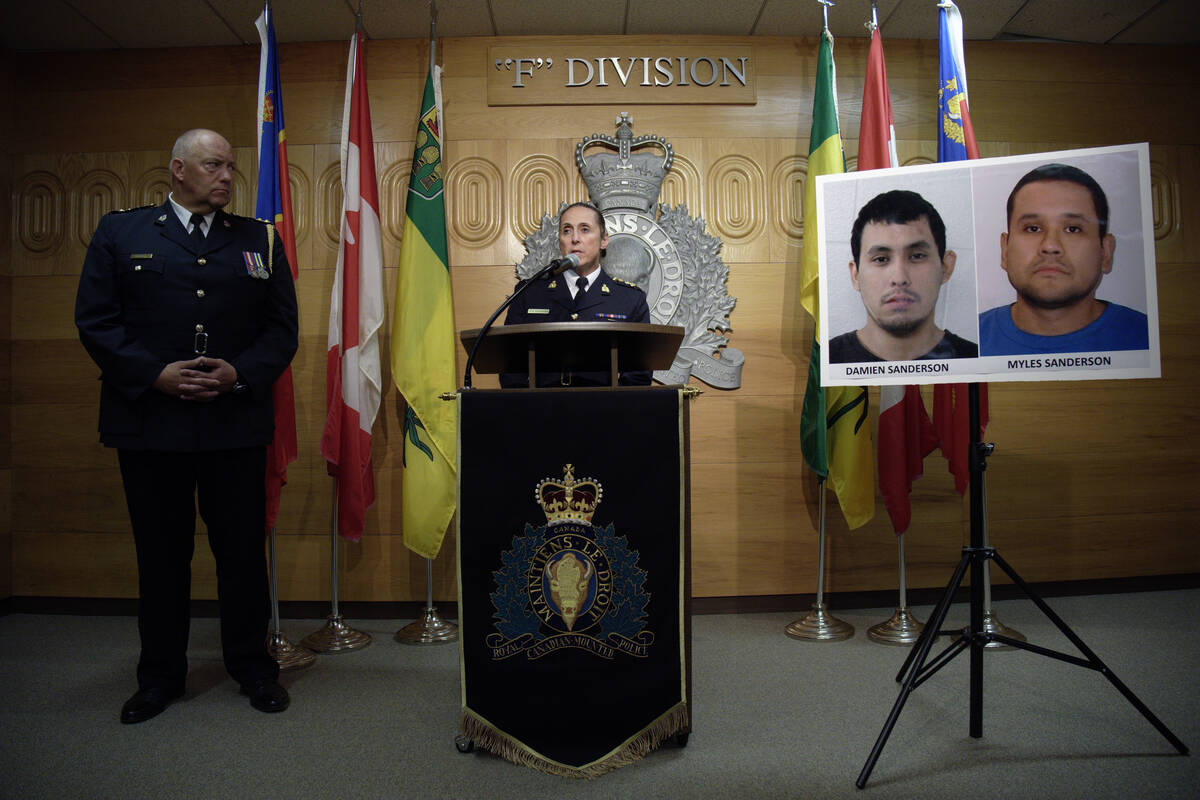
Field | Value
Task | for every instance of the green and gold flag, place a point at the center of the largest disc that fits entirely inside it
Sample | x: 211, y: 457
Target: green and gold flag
x: 834, y: 424
x: 423, y: 340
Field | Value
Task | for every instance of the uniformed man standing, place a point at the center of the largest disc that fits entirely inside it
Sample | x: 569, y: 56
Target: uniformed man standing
x: 585, y: 293
x: 190, y: 313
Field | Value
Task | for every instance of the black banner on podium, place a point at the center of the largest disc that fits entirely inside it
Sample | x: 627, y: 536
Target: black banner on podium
x: 571, y: 574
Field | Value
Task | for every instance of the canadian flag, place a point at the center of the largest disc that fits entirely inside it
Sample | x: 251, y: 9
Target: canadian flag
x: 352, y: 377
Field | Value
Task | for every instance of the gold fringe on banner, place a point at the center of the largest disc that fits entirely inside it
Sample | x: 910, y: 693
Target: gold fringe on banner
x: 487, y: 736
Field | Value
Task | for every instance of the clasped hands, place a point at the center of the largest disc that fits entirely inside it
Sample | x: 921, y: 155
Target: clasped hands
x: 200, y: 379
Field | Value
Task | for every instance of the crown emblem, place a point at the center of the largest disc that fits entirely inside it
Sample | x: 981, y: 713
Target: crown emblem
x: 624, y: 179
x: 568, y: 499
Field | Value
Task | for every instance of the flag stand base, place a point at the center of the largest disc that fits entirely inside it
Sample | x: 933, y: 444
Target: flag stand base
x: 336, y: 637
x: 287, y: 655
x: 819, y: 626
x: 974, y: 637
x: 903, y: 629
x: 430, y: 629
x: 994, y: 626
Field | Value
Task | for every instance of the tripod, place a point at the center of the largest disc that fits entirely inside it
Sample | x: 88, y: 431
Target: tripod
x: 916, y: 671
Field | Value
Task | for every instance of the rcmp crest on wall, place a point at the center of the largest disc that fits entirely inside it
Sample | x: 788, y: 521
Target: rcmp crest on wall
x: 664, y: 251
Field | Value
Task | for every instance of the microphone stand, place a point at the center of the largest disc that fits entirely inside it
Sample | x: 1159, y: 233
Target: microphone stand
x: 565, y: 262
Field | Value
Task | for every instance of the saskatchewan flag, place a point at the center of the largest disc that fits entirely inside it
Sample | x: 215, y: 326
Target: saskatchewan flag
x: 834, y: 424
x: 423, y: 340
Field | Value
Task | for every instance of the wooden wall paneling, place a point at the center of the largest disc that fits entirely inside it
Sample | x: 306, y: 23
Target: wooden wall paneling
x: 1188, y: 165
x: 763, y: 320
x: 475, y: 176
x: 1082, y: 487
x: 684, y: 183
x: 327, y: 205
x: 300, y: 180
x: 787, y: 174
x: 735, y: 189
x: 541, y: 176
x: 1166, y: 203
x: 393, y: 162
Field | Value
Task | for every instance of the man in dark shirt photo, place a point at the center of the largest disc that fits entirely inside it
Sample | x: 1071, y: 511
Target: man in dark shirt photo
x: 900, y: 264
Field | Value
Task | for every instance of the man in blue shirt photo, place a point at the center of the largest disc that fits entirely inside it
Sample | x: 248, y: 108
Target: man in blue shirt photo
x: 1055, y: 252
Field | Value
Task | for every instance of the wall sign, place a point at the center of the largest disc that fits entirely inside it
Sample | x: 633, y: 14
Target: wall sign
x: 555, y: 74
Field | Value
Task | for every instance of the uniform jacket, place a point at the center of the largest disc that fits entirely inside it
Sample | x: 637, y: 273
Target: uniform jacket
x: 146, y: 293
x: 607, y: 300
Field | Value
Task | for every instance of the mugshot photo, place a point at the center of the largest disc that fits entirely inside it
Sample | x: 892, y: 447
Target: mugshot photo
x: 1021, y: 268
x: 900, y: 260
x: 1062, y: 256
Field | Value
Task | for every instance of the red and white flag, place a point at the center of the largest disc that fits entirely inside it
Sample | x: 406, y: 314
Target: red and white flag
x: 352, y: 377
x: 905, y: 432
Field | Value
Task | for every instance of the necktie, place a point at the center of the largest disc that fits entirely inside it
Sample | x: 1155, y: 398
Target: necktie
x: 580, y: 288
x: 197, y: 234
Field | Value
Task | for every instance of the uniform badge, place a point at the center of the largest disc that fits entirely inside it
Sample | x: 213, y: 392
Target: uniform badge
x: 537, y: 311
x: 254, y: 265
x: 617, y: 317
x: 604, y: 289
x: 552, y: 285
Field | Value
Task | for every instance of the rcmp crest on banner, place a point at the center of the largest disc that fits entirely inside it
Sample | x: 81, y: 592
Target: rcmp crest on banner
x: 568, y: 583
x: 664, y: 251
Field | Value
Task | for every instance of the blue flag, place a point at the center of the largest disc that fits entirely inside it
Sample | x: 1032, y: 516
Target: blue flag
x: 956, y: 136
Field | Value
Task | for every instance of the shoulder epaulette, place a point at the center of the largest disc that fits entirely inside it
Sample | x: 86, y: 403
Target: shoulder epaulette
x: 624, y: 282
x: 127, y: 210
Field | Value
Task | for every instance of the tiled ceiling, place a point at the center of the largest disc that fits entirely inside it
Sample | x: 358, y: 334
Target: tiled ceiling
x: 55, y: 25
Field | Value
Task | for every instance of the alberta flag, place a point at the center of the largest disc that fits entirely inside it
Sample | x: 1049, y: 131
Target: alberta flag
x: 956, y: 142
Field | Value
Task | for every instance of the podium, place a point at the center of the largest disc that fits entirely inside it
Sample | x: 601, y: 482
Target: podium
x: 562, y: 347
x: 574, y: 552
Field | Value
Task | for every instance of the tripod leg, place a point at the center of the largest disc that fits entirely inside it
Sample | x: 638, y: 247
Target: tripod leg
x: 937, y: 617
x: 1098, y: 665
x: 913, y: 665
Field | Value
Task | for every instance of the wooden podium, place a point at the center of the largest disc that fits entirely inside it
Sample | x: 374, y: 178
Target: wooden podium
x: 612, y: 347
x: 574, y: 580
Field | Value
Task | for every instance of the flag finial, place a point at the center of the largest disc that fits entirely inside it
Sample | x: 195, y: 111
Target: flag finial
x: 825, y: 10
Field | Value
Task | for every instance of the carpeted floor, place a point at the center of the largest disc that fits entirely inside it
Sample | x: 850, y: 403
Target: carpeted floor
x: 772, y: 717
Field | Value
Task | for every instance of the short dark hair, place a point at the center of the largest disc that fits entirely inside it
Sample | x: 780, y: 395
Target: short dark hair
x: 594, y: 210
x: 898, y: 207
x: 1070, y: 174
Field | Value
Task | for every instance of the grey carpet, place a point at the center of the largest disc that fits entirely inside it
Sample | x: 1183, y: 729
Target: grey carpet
x: 773, y: 717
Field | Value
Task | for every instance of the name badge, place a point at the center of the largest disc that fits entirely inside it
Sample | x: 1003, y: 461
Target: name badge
x: 537, y: 311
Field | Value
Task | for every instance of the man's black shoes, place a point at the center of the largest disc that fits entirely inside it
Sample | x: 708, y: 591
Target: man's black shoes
x: 267, y: 695
x: 147, y: 703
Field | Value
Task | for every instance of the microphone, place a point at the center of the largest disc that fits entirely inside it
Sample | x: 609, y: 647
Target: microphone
x: 558, y: 266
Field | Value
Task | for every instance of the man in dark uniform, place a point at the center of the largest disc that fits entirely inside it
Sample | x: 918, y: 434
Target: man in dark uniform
x: 583, y: 294
x: 190, y: 314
